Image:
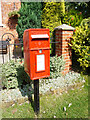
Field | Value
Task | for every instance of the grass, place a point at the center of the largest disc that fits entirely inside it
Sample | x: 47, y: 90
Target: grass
x: 53, y: 106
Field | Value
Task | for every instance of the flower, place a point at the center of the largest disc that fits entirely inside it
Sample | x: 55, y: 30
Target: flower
x: 80, y: 13
x: 74, y: 30
x: 44, y: 112
x: 76, y: 7
x: 83, y: 86
x: 54, y: 116
x: 72, y: 18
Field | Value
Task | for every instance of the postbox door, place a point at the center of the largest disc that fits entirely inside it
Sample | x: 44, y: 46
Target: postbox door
x: 40, y: 63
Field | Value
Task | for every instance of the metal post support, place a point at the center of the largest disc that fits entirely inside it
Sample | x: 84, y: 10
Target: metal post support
x: 9, y: 53
x: 36, y: 96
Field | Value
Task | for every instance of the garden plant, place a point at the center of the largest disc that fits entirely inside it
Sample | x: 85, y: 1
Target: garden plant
x: 81, y: 43
x: 62, y: 96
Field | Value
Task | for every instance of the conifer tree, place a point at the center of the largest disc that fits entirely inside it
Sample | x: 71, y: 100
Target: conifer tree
x: 30, y: 17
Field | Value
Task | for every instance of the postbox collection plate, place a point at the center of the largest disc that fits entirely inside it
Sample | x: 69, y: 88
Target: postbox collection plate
x: 40, y: 62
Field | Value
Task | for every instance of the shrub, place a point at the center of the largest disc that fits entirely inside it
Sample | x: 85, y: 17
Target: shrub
x: 13, y: 75
x: 13, y: 13
x: 52, y: 13
x: 57, y: 64
x: 81, y: 43
x: 83, y: 7
x: 30, y: 17
x: 73, y: 18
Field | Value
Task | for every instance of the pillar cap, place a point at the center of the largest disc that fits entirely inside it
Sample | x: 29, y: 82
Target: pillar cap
x: 64, y: 27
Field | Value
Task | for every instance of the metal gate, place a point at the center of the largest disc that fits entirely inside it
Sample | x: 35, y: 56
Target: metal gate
x: 9, y: 48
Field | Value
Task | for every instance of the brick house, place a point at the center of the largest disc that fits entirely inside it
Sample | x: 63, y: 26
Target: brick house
x: 7, y: 24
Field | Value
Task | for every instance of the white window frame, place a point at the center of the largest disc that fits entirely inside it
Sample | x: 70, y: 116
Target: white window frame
x: 1, y: 25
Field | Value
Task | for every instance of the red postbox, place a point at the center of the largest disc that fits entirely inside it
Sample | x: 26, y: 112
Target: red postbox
x: 37, y: 53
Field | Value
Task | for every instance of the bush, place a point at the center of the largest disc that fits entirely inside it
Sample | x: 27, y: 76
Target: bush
x: 30, y: 17
x: 57, y: 64
x: 13, y: 75
x: 14, y: 13
x: 52, y: 13
x: 73, y: 18
x: 81, y: 43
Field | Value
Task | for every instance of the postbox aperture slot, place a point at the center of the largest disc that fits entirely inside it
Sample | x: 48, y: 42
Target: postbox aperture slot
x: 39, y: 39
x: 39, y: 36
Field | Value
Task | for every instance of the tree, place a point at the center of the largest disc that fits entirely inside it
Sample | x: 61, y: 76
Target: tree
x: 30, y: 17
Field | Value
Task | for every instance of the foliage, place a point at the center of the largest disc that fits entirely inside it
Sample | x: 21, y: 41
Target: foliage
x: 83, y: 7
x: 57, y: 64
x: 30, y: 17
x: 13, y: 75
x: 73, y: 18
x: 52, y: 13
x: 14, y: 13
x: 81, y: 43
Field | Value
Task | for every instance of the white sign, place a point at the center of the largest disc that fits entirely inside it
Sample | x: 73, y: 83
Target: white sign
x: 40, y: 62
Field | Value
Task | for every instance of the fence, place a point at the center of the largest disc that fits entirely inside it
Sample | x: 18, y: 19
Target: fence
x: 9, y: 50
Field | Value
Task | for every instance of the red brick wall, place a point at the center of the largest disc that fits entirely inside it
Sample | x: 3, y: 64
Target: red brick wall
x: 62, y: 48
x: 9, y: 25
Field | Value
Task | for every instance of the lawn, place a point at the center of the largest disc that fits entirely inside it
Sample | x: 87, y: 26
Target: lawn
x: 70, y: 104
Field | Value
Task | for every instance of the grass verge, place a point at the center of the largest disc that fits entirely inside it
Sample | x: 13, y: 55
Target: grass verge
x: 54, y: 106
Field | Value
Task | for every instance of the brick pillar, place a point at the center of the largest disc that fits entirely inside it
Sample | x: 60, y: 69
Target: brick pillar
x: 63, y: 34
